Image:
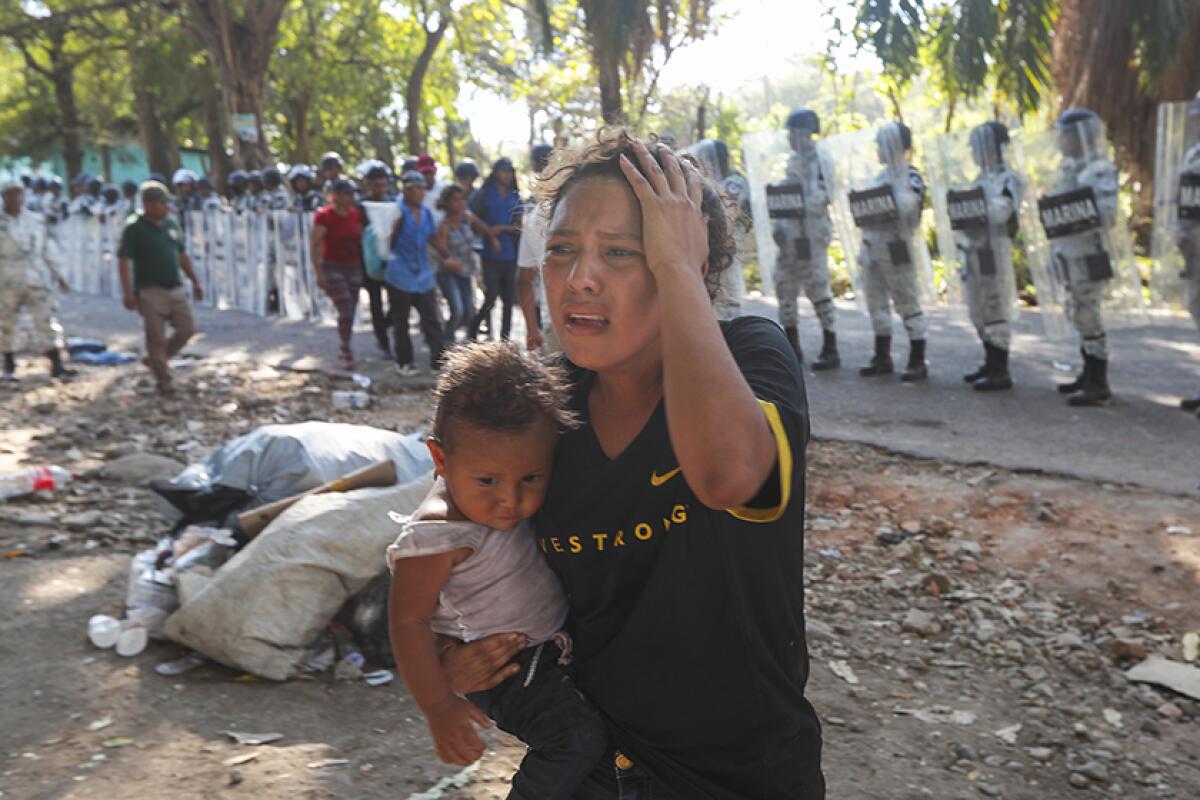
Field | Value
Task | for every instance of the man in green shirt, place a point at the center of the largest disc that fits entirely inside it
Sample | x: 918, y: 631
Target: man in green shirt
x: 153, y: 241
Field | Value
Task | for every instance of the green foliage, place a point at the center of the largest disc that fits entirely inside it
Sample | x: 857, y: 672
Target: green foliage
x: 972, y: 45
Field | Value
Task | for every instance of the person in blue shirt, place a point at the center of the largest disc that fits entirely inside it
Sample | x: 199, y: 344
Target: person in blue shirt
x: 410, y: 279
x: 498, y: 204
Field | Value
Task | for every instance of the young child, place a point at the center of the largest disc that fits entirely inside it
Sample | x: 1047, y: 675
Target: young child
x: 478, y: 571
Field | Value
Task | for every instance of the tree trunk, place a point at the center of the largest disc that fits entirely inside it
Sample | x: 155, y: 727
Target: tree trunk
x: 606, y: 58
x: 155, y: 141
x: 64, y: 92
x: 240, y: 49
x: 214, y: 129
x: 302, y: 137
x: 1093, y: 66
x: 608, y: 78
x: 383, y: 146
x: 416, y: 81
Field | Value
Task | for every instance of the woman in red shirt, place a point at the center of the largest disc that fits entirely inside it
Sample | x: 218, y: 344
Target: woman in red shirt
x: 336, y: 248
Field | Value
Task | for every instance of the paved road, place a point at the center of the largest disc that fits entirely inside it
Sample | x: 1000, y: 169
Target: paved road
x: 1143, y: 438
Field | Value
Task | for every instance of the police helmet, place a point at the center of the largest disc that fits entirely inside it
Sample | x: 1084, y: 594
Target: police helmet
x: 894, y: 132
x: 55, y: 184
x: 330, y: 159
x: 804, y: 119
x: 272, y: 177
x: 111, y: 193
x: 94, y: 185
x: 540, y: 154
x: 26, y: 181
x: 157, y: 177
x: 39, y: 184
x: 183, y: 176
x: 80, y: 180
x: 204, y: 182
x: 129, y: 187
x: 1073, y: 116
x: 377, y: 170
x: 992, y: 132
x: 409, y: 165
x: 299, y: 171
x: 466, y: 169
x: 236, y: 178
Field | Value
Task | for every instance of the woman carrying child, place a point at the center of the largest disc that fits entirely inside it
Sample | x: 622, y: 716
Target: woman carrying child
x: 675, y: 512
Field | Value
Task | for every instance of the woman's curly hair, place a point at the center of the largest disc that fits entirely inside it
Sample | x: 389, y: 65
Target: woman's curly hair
x: 601, y: 158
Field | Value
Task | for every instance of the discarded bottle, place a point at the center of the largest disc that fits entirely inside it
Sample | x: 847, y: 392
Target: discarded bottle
x: 356, y: 400
x: 34, y: 479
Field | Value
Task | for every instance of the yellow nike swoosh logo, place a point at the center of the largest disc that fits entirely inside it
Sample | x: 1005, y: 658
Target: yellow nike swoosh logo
x: 659, y: 480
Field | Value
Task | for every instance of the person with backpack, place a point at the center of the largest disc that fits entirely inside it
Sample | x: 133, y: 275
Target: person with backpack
x: 498, y: 204
x: 409, y: 277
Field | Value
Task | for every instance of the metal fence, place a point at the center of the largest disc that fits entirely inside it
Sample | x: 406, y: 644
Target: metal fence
x: 240, y: 259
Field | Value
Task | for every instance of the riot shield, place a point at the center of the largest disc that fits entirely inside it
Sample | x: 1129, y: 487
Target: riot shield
x: 110, y: 240
x: 247, y: 249
x: 975, y: 193
x: 197, y: 249
x: 876, y: 209
x: 220, y: 257
x: 322, y: 307
x: 1072, y: 226
x: 790, y: 194
x: 290, y: 266
x: 1175, y: 242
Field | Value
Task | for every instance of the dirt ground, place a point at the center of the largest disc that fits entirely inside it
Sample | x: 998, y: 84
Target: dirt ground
x: 969, y: 626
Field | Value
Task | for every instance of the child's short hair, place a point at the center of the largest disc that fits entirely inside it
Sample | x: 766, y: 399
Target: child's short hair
x: 497, y: 386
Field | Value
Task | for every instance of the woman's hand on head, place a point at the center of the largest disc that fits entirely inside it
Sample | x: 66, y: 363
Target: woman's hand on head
x: 483, y: 664
x: 674, y: 231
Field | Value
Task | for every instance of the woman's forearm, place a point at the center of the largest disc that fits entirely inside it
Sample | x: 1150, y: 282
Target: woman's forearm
x: 718, y: 429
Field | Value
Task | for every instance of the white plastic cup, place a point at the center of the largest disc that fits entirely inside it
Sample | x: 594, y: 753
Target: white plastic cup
x: 132, y: 640
x: 103, y: 631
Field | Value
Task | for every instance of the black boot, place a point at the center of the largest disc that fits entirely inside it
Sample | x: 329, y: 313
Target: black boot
x: 57, y: 370
x: 996, y: 378
x: 793, y: 337
x: 971, y: 377
x: 10, y: 368
x: 829, y: 358
x: 1077, y: 384
x: 916, y: 370
x: 1192, y: 404
x: 1095, y: 392
x: 881, y: 364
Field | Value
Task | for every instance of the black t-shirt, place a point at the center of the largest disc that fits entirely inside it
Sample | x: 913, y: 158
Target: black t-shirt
x: 689, y: 622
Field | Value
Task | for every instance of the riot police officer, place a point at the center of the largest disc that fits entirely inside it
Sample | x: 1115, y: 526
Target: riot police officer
x: 29, y: 273
x: 1077, y: 215
x: 274, y: 196
x: 798, y: 207
x: 983, y: 216
x: 888, y: 215
x: 186, y: 199
x: 307, y: 198
x: 235, y: 186
x: 1187, y: 226
x: 330, y: 169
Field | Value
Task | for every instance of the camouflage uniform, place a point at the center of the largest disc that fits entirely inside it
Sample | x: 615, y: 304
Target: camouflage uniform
x: 29, y: 262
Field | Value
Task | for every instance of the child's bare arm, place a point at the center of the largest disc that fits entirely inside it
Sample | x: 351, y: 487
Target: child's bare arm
x: 416, y: 584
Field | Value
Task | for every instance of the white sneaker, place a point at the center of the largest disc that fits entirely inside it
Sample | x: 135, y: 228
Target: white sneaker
x: 407, y: 370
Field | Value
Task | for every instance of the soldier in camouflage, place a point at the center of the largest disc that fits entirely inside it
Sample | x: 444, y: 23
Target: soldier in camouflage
x: 28, y: 276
